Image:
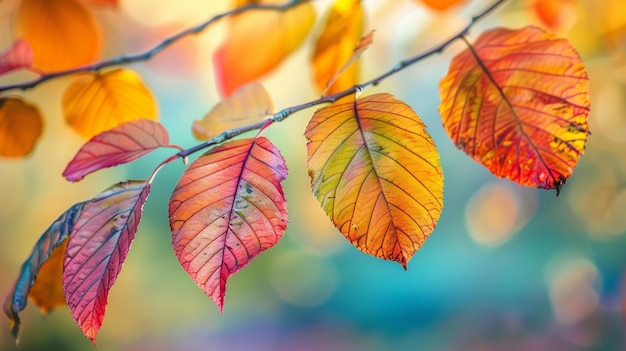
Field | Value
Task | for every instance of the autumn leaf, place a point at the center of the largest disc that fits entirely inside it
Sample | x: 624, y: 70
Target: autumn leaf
x: 335, y: 47
x: 41, y: 264
x: 359, y: 49
x: 248, y: 104
x: 227, y: 208
x: 557, y: 15
x: 122, y: 144
x: 18, y: 55
x: 376, y: 172
x: 21, y: 126
x: 62, y: 33
x: 258, y: 41
x: 517, y: 102
x: 97, y: 248
x: 441, y: 5
x: 97, y: 102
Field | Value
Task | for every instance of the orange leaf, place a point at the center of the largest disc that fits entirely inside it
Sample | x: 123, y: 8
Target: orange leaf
x: 50, y: 246
x: 522, y: 109
x: 558, y: 15
x: 335, y: 47
x: 97, y: 102
x: 62, y: 33
x: 18, y: 55
x: 248, y: 104
x: 441, y: 5
x: 97, y: 247
x: 20, y: 127
x: 227, y: 208
x: 376, y: 172
x: 47, y: 292
x: 258, y: 41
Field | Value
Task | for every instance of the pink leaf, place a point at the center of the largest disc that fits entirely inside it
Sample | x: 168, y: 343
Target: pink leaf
x: 227, y: 208
x: 18, y: 55
x: 122, y: 144
x: 97, y: 247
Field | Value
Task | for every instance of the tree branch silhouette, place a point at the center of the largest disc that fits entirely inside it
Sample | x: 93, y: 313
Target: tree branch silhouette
x: 281, y: 115
x: 148, y: 54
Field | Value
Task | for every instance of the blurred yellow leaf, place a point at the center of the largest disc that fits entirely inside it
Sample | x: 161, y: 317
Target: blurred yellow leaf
x: 47, y: 292
x: 96, y: 102
x: 62, y: 33
x: 335, y: 47
x: 20, y: 127
x: 248, y: 104
x: 258, y: 41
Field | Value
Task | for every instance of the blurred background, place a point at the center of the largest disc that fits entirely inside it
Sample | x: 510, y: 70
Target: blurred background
x: 507, y: 268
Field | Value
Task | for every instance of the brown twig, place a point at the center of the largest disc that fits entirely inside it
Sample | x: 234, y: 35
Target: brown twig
x: 359, y: 87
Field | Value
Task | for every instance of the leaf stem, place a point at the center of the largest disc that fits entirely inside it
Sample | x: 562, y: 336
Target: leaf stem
x: 146, y: 55
x: 281, y: 115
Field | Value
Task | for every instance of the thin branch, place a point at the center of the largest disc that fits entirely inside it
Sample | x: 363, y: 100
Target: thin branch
x: 146, y: 55
x: 229, y: 134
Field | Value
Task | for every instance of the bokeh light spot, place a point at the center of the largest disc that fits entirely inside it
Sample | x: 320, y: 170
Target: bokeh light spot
x: 497, y: 211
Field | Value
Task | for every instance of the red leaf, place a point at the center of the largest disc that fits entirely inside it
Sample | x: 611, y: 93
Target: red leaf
x: 227, y: 208
x: 19, y: 55
x: 97, y: 248
x: 53, y: 237
x: 122, y: 144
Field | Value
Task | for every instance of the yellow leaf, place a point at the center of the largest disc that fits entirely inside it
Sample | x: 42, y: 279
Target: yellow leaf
x: 336, y: 46
x: 258, y: 41
x: 248, y: 104
x: 62, y: 33
x: 97, y: 102
x: 47, y: 292
x: 376, y: 172
x: 20, y: 127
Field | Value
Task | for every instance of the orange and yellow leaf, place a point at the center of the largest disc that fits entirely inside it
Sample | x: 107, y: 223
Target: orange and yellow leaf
x: 226, y: 209
x: 376, y: 172
x: 47, y: 292
x: 247, y: 105
x: 518, y: 104
x: 97, y: 102
x: 258, y: 41
x: 62, y: 33
x: 21, y: 126
x: 336, y: 45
